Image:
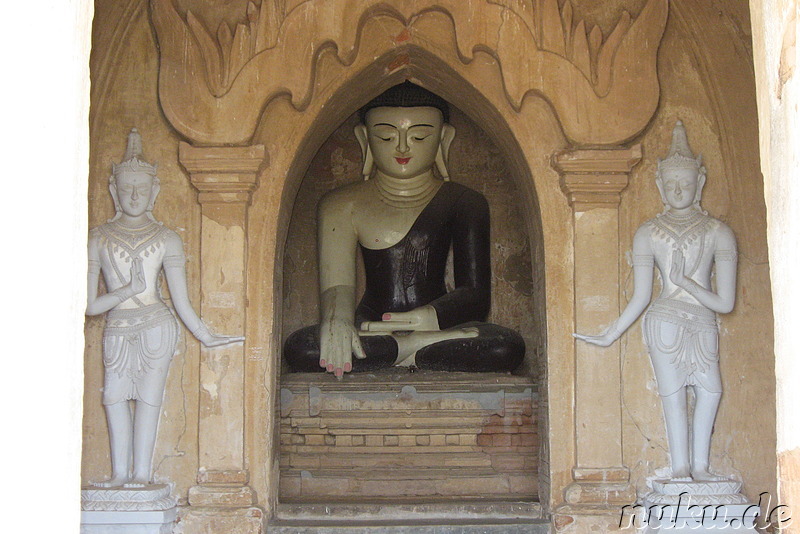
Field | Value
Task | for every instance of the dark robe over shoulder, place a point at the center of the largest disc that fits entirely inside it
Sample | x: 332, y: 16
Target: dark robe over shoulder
x: 411, y: 273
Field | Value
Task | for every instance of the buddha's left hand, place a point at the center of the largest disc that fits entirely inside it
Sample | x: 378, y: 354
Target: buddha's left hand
x: 422, y: 318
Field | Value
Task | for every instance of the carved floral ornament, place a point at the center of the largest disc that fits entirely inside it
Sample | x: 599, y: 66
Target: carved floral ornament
x: 213, y: 87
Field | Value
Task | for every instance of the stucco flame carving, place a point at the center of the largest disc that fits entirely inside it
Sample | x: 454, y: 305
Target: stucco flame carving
x: 604, y: 89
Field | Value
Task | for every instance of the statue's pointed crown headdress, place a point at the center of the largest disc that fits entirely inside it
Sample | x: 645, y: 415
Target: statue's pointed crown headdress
x: 680, y: 156
x: 134, y: 159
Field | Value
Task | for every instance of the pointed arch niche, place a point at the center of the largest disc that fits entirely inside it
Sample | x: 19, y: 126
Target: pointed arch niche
x: 486, y: 159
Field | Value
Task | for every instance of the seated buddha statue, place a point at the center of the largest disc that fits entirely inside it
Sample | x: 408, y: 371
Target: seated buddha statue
x: 406, y: 220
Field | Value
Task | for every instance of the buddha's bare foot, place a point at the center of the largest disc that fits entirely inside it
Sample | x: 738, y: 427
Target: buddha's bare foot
x: 113, y: 482
x: 408, y: 344
x: 704, y: 475
x: 137, y: 483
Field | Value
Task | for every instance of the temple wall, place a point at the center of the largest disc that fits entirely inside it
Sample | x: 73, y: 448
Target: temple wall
x: 707, y: 80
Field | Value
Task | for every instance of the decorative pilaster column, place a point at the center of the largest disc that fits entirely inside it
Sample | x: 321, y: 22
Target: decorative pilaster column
x: 225, y: 178
x: 593, y: 179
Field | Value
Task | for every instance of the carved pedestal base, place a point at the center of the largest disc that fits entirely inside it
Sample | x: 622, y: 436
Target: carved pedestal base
x: 148, y: 510
x: 405, y: 437
x: 696, y: 507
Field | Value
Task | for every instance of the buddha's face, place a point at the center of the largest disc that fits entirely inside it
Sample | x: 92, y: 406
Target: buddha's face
x: 679, y: 186
x: 134, y: 191
x: 404, y: 141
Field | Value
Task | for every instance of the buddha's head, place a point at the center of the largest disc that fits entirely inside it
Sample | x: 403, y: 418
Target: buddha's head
x: 404, y: 132
x: 680, y: 176
x: 133, y: 183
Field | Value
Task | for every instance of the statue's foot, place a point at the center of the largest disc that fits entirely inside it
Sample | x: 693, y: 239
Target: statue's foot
x: 682, y: 474
x: 113, y: 482
x: 137, y: 483
x: 704, y: 475
x: 408, y: 344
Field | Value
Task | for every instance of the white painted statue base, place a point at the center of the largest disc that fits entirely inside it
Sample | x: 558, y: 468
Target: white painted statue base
x: 148, y: 510
x: 677, y: 507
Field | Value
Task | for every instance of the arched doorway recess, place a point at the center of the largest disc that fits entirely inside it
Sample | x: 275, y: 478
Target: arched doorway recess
x: 415, y: 448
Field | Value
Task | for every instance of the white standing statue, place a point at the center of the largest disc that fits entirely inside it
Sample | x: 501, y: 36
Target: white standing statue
x: 141, y: 332
x: 680, y: 328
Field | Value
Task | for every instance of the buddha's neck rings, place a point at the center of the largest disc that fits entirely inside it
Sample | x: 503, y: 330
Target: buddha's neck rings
x: 406, y: 192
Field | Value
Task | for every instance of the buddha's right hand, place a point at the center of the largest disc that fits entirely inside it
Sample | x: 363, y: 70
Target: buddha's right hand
x: 339, y: 341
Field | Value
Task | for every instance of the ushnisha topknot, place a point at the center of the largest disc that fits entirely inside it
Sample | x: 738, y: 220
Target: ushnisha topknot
x: 680, y: 155
x: 133, y: 160
x: 406, y: 95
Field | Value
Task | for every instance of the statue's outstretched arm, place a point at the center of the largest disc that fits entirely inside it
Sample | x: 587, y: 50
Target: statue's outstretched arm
x: 96, y: 305
x: 725, y: 260
x: 337, y: 241
x: 643, y: 261
x: 175, y: 271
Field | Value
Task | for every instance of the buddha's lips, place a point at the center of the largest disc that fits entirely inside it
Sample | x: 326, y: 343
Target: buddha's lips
x: 403, y: 161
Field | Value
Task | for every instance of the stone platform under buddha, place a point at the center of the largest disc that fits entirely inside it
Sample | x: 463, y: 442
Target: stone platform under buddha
x: 401, y: 437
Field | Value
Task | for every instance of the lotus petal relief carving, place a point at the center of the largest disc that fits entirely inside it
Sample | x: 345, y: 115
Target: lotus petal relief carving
x: 214, y: 84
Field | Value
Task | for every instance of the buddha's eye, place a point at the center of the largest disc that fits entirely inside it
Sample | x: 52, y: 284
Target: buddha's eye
x: 420, y: 137
x: 383, y: 138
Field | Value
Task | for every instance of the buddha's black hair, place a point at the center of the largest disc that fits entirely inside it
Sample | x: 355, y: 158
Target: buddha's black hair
x: 406, y: 95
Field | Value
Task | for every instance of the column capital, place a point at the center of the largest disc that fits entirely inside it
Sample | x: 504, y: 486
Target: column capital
x: 595, y: 177
x: 221, y: 174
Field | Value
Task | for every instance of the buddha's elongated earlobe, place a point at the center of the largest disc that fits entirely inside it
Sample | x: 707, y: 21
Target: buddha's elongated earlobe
x: 366, y: 153
x: 448, y: 133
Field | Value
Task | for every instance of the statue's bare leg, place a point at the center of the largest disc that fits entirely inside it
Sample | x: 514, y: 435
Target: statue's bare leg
x: 120, y: 437
x: 409, y: 344
x: 144, y: 439
x: 675, y: 417
x: 705, y: 411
